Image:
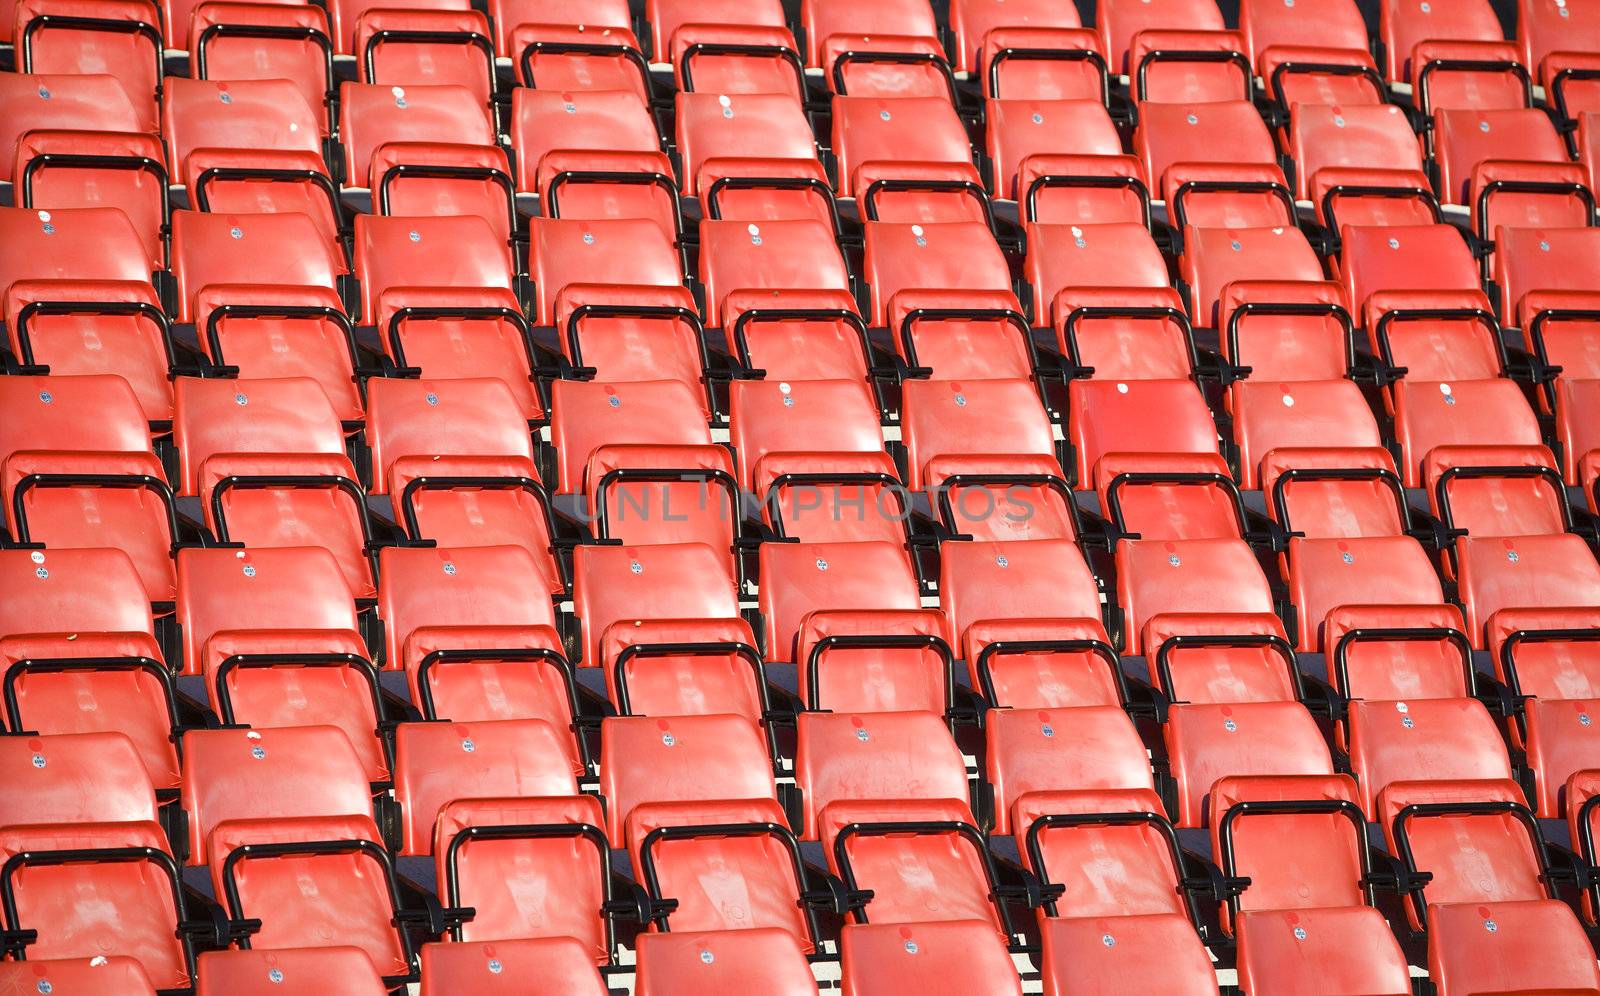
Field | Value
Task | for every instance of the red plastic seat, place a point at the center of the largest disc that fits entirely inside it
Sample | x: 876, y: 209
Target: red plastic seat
x: 1143, y: 416
x: 465, y: 969
x: 417, y: 424
x: 1525, y: 262
x: 971, y: 21
x: 1536, y: 946
x: 949, y: 256
x: 209, y: 249
x: 1465, y: 139
x: 628, y: 252
x: 1179, y: 66
x: 532, y: 869
x: 646, y: 762
x: 1285, y: 330
x: 943, y: 421
x: 960, y: 955
x: 1402, y: 26
x: 799, y: 334
x: 737, y: 58
x: 822, y: 19
x: 231, y: 41
x: 69, y: 169
x: 436, y: 764
x: 1333, y: 493
x: 33, y: 101
x: 1273, y: 958
x: 1325, y: 574
x: 115, y: 976
x: 1213, y: 258
x: 1121, y: 22
x: 1271, y: 417
x: 1412, y: 258
x: 72, y: 37
x: 1324, y: 136
x: 1217, y: 575
x: 1431, y: 414
x: 58, y: 879
x: 289, y: 971
x: 756, y: 960
x: 371, y: 114
x: 1065, y: 258
x: 1206, y: 743
x: 1226, y: 132
x: 752, y: 128
x: 1020, y: 129
x: 875, y: 758
x: 280, y: 423
x: 1043, y: 63
x: 1100, y: 955
x: 618, y: 586
x: 1498, y: 573
x: 284, y: 588
x: 86, y: 779
x: 888, y: 131
x: 735, y: 256
x: 1227, y: 195
x: 800, y: 581
x: 1039, y: 758
x: 985, y: 581
x: 91, y: 244
x: 73, y: 591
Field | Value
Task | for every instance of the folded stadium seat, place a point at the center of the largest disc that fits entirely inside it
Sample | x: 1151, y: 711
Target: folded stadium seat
x: 345, y: 17
x: 1373, y: 198
x: 115, y: 976
x: 944, y: 421
x: 822, y: 19
x: 1543, y: 654
x: 1221, y: 658
x: 744, y: 134
x: 265, y: 41
x: 962, y: 335
x: 87, y: 499
x: 919, y: 860
x: 1043, y: 663
x: 887, y: 132
x: 1063, y: 258
x: 951, y: 956
x: 603, y: 431
x: 833, y: 497
x: 76, y: 244
x: 300, y: 855
x: 86, y: 778
x: 89, y: 327
x: 439, y: 763
x: 1514, y: 194
x: 643, y: 495
x: 95, y: 683
x: 629, y: 252
x: 1496, y: 491
x: 425, y: 47
x: 1161, y: 576
x: 1160, y: 496
x: 684, y: 667
x: 1043, y: 762
x: 755, y: 960
x: 571, y: 57
x: 1285, y: 330
x: 687, y: 852
x: 576, y: 139
x: 1372, y: 136
x: 647, y: 762
x: 1141, y: 416
x: 1523, y: 572
x: 1325, y: 574
x: 289, y: 971
x: 949, y: 256
x: 217, y: 587
x: 465, y: 969
x: 477, y: 640
x: 971, y: 22
x: 737, y: 58
x: 618, y: 586
x: 666, y: 17
x: 70, y: 37
x: 1227, y: 195
x: 67, y: 169
x: 1525, y: 264
x: 35, y: 101
x: 1225, y: 132
x: 1402, y: 26
x: 1044, y: 63
x: 1317, y: 891
x: 1101, y: 955
x: 532, y: 869
x: 807, y: 334
x: 1019, y: 129
x: 738, y: 256
x: 1317, y: 74
x: 1431, y: 741
x: 1441, y: 336
x: 1078, y: 190
x: 1204, y: 744
x: 1175, y: 66
x: 1460, y: 74
x: 74, y: 591
x: 1463, y: 140
x: 453, y: 429
x: 280, y: 249
x: 97, y: 414
x: 1534, y: 946
x: 1120, y: 23
x: 1393, y: 652
x: 438, y: 179
x: 59, y: 880
x: 1411, y: 257
x: 372, y: 114
x: 1545, y: 36
x: 289, y: 419
x: 887, y: 65
x: 774, y: 425
x: 1334, y: 493
x: 982, y: 582
x: 875, y: 758
x: 1453, y: 830
x: 1325, y: 24
x: 250, y: 146
x: 441, y: 292
x: 801, y: 581
x: 1216, y: 257
x: 1431, y: 414
x: 875, y: 660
